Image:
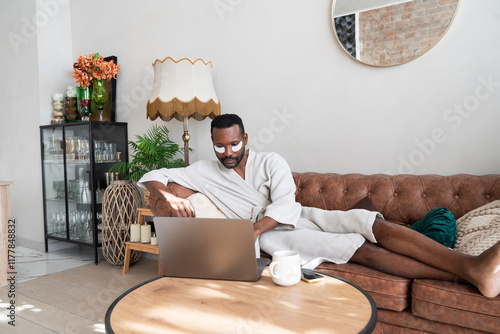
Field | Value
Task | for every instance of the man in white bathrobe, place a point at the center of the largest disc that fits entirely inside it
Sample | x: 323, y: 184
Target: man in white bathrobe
x: 259, y: 186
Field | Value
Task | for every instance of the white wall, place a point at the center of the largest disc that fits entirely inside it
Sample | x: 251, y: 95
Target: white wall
x: 55, y: 57
x: 20, y: 117
x: 280, y: 57
x: 277, y: 64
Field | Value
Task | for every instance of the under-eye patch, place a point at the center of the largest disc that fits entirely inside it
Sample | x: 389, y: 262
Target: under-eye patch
x: 234, y: 148
x: 219, y: 149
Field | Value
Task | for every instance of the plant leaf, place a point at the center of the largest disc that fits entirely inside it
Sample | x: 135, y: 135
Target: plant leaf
x: 152, y: 150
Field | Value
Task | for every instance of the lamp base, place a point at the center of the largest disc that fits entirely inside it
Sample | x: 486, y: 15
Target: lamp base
x: 185, y: 138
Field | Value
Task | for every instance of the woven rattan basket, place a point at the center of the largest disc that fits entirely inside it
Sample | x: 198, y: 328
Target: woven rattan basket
x: 119, y: 210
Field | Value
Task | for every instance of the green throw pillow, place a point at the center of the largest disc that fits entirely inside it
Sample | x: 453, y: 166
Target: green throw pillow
x: 439, y: 225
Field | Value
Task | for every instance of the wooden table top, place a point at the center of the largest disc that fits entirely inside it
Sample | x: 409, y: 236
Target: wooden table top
x: 185, y: 305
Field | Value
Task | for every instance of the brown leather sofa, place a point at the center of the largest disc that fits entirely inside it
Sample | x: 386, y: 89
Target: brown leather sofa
x: 405, y: 305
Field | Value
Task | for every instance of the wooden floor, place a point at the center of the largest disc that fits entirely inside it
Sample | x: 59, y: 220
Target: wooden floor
x: 71, y: 301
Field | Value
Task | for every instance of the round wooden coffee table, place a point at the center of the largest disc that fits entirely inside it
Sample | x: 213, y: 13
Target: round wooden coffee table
x: 184, y: 305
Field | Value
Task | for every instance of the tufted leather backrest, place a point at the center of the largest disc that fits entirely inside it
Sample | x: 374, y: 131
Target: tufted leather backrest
x: 402, y: 198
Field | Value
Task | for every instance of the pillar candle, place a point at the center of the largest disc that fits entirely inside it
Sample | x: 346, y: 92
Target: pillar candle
x: 145, y: 233
x: 135, y: 232
x: 154, y: 241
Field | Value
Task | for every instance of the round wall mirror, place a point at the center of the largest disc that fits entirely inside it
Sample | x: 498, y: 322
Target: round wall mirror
x: 390, y: 32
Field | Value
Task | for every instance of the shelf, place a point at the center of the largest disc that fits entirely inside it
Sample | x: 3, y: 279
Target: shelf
x: 69, y: 201
x: 61, y: 161
x: 53, y: 161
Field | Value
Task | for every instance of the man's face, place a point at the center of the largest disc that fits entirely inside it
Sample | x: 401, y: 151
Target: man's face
x: 229, y: 145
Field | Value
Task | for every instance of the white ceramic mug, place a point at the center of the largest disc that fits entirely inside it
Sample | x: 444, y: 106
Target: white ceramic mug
x: 285, y: 268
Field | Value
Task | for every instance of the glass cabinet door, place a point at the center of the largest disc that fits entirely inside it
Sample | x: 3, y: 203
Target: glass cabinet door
x: 110, y: 146
x: 53, y: 176
x: 78, y: 183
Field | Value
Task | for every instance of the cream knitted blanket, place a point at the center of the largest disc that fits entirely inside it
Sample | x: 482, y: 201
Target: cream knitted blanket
x: 478, y: 229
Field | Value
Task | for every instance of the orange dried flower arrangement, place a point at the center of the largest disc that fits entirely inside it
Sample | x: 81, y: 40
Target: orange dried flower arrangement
x: 93, y: 66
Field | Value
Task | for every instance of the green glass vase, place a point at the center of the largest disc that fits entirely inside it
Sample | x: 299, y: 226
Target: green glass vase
x: 99, y: 96
x: 83, y: 96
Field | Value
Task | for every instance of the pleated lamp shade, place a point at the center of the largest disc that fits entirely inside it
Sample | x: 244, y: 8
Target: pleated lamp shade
x: 182, y: 88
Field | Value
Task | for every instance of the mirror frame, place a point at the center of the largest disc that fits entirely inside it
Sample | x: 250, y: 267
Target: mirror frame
x: 332, y: 23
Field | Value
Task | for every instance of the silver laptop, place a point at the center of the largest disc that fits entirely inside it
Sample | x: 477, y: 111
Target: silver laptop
x: 208, y: 248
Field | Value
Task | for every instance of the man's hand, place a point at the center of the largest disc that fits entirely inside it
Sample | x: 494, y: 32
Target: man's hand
x: 180, y: 207
x: 264, y: 225
x: 169, y: 204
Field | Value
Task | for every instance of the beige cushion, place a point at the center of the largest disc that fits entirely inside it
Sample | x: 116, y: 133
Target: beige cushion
x: 204, y: 207
x: 479, y: 229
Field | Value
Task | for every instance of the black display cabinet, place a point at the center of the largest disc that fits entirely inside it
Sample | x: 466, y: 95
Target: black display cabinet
x: 75, y: 160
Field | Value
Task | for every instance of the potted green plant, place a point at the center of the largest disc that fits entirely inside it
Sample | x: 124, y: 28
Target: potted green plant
x: 153, y: 150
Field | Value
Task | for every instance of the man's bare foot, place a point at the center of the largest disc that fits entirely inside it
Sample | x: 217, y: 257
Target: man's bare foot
x: 487, y: 271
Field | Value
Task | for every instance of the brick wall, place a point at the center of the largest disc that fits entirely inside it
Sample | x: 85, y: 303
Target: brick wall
x: 399, y: 33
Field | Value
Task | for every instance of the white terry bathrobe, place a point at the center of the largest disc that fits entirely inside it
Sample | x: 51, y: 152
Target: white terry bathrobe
x: 269, y: 190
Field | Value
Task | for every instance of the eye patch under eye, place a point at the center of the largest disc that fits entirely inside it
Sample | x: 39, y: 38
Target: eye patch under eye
x: 234, y: 148
x: 219, y: 149
x: 237, y: 147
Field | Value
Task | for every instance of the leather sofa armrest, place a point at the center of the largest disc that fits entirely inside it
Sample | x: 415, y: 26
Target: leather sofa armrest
x: 158, y: 207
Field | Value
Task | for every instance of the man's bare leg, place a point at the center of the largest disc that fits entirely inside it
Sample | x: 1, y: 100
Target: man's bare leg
x: 483, y: 271
x: 381, y: 259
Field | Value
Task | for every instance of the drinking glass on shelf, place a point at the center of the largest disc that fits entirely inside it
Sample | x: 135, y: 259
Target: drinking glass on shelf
x: 112, y: 148
x: 51, y: 149
x: 52, y: 222
x: 56, y: 189
x: 74, y: 150
x: 72, y: 221
x: 77, y: 149
x: 81, y: 150
x: 78, y: 190
x: 61, y: 223
x: 81, y: 225
x: 88, y: 227
x: 99, y: 149
x: 107, y: 152
x: 57, y: 224
x: 69, y: 150
x: 59, y: 188
x: 103, y: 151
x: 96, y: 151
x: 71, y: 190
x: 85, y: 150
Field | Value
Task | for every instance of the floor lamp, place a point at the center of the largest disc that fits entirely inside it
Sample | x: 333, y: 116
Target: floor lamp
x: 183, y: 89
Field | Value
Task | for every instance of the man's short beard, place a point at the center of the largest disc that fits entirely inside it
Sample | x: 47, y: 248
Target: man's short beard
x: 238, y: 159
